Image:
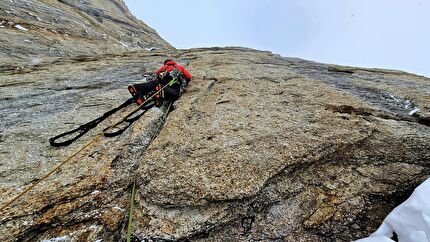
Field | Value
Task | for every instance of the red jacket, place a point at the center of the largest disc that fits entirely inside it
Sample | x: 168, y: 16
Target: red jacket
x: 171, y: 65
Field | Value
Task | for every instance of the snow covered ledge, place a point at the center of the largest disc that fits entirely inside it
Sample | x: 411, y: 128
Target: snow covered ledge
x: 410, y: 220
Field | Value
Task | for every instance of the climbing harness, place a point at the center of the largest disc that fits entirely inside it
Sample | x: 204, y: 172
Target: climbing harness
x: 96, y: 138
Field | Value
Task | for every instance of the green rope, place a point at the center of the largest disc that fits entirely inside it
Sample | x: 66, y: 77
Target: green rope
x: 133, y: 191
x: 130, y: 218
x: 173, y: 81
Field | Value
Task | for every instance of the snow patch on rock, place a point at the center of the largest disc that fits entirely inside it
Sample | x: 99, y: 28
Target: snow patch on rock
x: 410, y: 220
x: 20, y: 27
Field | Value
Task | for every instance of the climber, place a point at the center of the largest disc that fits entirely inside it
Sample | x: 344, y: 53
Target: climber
x: 170, y: 70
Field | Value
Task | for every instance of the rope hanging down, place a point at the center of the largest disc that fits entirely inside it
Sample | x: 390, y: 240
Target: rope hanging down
x: 133, y: 190
x: 130, y: 216
x: 98, y: 136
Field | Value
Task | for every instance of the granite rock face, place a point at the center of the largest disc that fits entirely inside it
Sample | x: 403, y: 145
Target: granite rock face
x: 268, y: 148
x: 259, y: 148
x: 33, y: 32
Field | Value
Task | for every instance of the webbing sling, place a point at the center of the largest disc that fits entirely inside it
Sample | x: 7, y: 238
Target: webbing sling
x: 98, y: 136
x: 84, y: 128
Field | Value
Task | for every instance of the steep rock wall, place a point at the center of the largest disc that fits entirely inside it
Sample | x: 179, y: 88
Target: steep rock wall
x: 259, y: 148
x: 33, y: 32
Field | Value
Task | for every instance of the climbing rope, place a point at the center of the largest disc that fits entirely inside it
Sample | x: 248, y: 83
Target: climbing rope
x: 98, y: 136
x: 130, y: 218
x: 133, y: 190
x: 50, y: 172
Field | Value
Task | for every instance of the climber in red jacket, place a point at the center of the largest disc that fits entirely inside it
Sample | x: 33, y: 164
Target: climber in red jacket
x: 161, y: 77
x: 170, y: 65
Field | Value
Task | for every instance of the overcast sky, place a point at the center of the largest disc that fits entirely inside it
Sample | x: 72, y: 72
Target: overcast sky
x: 393, y: 34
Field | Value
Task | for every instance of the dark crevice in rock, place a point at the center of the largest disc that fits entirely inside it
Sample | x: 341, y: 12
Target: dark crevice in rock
x: 247, y: 223
x: 291, y: 78
x: 15, y: 84
x: 223, y: 101
x: 353, y: 111
x: 424, y: 120
x: 341, y: 69
x: 278, y: 93
x: 376, y: 113
x: 347, y: 82
x: 211, y: 85
x: 85, y: 58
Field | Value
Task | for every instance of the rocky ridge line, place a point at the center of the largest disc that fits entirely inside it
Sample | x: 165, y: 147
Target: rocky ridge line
x: 45, y: 30
x: 260, y: 147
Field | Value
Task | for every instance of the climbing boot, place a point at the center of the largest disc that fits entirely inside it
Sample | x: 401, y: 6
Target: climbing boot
x: 135, y: 94
x: 158, y: 97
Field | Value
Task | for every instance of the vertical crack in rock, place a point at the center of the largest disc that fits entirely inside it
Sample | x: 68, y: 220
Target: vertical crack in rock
x: 323, y: 153
x: 260, y: 148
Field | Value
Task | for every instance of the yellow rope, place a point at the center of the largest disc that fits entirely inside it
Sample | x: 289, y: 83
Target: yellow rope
x: 81, y: 149
x: 141, y: 105
x: 50, y: 173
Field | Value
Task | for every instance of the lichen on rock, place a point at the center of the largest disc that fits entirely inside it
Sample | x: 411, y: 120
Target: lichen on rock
x: 260, y: 147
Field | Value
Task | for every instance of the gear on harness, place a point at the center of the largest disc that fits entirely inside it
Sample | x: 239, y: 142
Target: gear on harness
x: 154, y: 82
x: 176, y: 84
